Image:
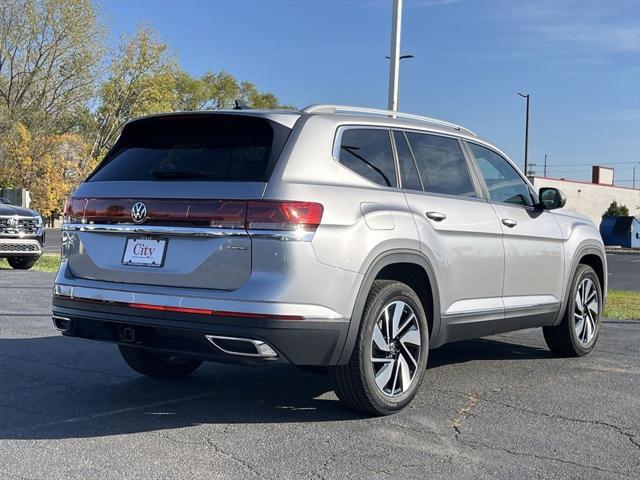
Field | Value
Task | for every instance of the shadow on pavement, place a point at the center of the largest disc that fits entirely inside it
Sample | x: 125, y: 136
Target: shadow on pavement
x: 56, y: 388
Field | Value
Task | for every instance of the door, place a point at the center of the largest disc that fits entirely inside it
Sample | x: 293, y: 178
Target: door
x: 459, y: 232
x: 532, y: 238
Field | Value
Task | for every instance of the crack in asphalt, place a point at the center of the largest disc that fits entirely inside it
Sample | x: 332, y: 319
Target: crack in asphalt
x: 208, y: 443
x: 630, y: 436
x: 323, y: 467
x: 464, y: 412
x: 476, y: 445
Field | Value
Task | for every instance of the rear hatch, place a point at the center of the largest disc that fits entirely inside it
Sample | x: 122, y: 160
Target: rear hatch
x: 167, y: 206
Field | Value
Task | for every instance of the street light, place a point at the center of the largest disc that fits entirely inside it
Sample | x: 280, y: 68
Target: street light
x: 526, y: 132
x: 402, y: 57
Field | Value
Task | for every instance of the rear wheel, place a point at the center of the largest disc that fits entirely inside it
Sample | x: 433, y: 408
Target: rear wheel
x: 577, y: 333
x: 390, y: 355
x: 22, y: 263
x: 153, y: 364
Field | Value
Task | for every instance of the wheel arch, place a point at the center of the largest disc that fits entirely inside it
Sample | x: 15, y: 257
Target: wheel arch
x: 593, y: 256
x: 389, y: 265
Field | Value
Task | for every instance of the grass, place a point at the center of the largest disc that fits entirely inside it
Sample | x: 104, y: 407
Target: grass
x: 623, y: 304
x: 49, y: 262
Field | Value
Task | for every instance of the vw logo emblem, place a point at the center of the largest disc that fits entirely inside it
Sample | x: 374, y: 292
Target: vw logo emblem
x: 139, y: 212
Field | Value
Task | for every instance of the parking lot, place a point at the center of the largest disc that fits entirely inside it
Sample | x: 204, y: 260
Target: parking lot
x: 500, y: 407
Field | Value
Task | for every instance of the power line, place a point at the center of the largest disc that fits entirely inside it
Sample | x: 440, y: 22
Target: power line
x: 570, y: 154
x: 588, y: 164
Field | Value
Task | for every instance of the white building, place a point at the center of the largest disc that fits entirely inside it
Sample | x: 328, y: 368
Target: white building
x: 593, y: 199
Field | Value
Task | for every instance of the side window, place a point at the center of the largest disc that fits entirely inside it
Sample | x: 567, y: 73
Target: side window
x: 408, y: 171
x: 442, y: 165
x: 367, y: 151
x: 504, y: 183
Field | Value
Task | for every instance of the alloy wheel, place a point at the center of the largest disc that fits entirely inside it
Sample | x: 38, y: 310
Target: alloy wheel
x: 586, y: 309
x: 395, y: 348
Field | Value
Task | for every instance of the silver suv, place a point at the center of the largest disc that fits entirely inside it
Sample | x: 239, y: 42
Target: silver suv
x: 340, y: 239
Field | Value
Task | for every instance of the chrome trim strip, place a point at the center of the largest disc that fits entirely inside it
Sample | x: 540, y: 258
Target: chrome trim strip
x: 283, y: 235
x: 263, y: 349
x: 209, y: 232
x: 19, y: 217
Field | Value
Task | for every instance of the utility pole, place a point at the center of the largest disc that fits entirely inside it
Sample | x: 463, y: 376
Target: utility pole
x: 526, y: 132
x: 545, y: 165
x: 634, y: 175
x: 394, y: 68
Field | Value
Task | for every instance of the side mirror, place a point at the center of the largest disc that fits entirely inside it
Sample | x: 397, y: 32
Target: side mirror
x: 551, y: 198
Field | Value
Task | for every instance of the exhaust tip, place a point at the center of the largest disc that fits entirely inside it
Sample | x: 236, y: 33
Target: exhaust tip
x: 244, y: 347
x: 61, y: 323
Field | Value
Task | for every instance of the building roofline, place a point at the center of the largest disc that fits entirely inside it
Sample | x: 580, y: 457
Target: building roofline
x: 583, y: 183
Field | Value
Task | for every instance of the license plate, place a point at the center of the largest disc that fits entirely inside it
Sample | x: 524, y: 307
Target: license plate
x: 146, y: 252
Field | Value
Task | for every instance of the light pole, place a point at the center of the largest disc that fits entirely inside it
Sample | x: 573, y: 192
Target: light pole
x: 526, y: 132
x: 394, y: 68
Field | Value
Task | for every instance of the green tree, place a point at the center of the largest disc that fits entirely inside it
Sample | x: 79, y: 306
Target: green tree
x: 142, y: 80
x: 50, y: 52
x: 616, y: 210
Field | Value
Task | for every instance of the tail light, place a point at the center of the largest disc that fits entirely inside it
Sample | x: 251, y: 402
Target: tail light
x: 252, y: 215
x: 273, y: 215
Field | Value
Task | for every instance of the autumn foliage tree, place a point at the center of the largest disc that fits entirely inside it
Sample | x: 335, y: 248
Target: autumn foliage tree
x: 64, y: 97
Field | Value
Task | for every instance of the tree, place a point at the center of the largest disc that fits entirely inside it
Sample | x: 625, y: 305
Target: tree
x: 142, y: 80
x: 50, y: 51
x: 616, y: 210
x: 49, y: 167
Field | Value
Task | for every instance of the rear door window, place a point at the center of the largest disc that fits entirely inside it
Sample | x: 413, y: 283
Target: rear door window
x: 367, y: 152
x: 442, y: 165
x: 197, y: 147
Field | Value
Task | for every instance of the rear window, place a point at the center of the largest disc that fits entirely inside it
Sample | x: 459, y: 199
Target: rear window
x: 197, y: 147
x: 367, y: 152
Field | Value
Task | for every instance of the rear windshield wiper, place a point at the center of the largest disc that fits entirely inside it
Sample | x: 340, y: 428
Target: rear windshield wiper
x: 351, y: 150
x: 172, y: 174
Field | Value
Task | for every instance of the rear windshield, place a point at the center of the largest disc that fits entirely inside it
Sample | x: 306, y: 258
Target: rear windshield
x: 194, y: 147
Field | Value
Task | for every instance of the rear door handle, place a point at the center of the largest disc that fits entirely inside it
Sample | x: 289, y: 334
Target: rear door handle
x: 509, y: 222
x: 436, y: 216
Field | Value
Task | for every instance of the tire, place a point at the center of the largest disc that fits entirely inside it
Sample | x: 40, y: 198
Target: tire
x: 571, y: 338
x: 155, y: 365
x: 22, y: 263
x: 361, y: 384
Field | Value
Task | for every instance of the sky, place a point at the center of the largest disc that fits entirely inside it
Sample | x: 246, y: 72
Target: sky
x: 578, y: 59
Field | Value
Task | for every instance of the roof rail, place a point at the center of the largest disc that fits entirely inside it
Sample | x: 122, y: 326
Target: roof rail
x: 329, y: 108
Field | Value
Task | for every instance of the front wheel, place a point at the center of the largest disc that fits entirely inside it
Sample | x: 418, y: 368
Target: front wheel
x: 22, y: 263
x: 153, y: 364
x: 389, y: 358
x: 577, y: 333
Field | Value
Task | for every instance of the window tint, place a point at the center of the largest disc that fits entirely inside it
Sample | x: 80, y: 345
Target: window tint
x: 442, y: 165
x: 216, y: 147
x: 504, y: 183
x: 367, y: 152
x: 408, y: 171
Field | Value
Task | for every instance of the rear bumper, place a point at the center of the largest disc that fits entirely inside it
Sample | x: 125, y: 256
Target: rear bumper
x: 300, y: 342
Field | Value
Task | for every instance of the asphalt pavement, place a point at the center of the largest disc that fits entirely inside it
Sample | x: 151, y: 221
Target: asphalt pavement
x: 53, y: 240
x: 499, y: 407
x: 624, y: 271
